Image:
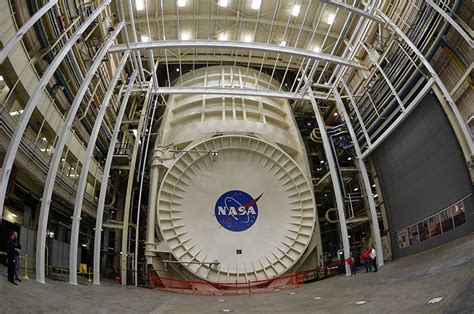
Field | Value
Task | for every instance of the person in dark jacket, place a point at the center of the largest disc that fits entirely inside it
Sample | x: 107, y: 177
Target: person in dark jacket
x: 17, y: 260
x: 11, y: 255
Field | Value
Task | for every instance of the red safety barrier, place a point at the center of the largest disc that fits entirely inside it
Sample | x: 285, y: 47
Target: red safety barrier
x: 202, y: 287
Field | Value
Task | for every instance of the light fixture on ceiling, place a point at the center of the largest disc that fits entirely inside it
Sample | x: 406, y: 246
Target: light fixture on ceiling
x: 296, y: 10
x: 336, y: 114
x: 331, y: 18
x: 177, y: 69
x: 13, y: 215
x: 185, y: 36
x: 248, y: 38
x: 181, y: 3
x: 373, y: 185
x: 15, y: 113
x: 223, y: 36
x: 317, y: 49
x: 283, y: 43
x: 356, y: 189
x: 140, y: 4
x: 256, y: 4
x: 223, y: 3
x: 145, y: 38
x: 349, y: 158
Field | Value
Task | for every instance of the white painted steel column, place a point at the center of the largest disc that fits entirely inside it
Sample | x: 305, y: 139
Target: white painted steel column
x: 13, y: 41
x: 33, y: 101
x: 73, y: 247
x: 356, y: 110
x: 56, y: 159
x: 365, y: 178
x: 105, y: 179
x: 137, y: 229
x: 135, y: 39
x: 334, y: 178
x: 129, y: 193
x: 453, y: 23
x: 434, y: 75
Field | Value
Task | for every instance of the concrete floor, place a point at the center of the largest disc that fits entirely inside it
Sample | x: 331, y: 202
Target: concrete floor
x: 402, y: 286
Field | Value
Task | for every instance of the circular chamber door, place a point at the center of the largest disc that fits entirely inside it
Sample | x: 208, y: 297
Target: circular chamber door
x: 236, y: 208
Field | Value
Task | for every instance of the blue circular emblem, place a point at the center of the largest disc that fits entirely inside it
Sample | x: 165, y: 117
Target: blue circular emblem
x: 236, y: 210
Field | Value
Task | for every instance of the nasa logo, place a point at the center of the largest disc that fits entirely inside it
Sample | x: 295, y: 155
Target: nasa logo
x: 236, y: 210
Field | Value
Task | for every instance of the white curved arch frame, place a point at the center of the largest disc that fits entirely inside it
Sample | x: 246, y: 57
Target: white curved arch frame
x: 81, y: 186
x: 105, y: 179
x: 32, y: 102
x: 300, y: 215
x: 56, y: 159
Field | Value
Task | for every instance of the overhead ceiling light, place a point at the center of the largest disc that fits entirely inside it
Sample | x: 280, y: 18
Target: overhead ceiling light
x: 356, y: 189
x: 145, y: 38
x: 317, y: 49
x: 373, y: 185
x: 177, y: 69
x: 223, y: 3
x: 331, y: 18
x: 185, y: 36
x: 181, y: 3
x: 296, y: 10
x: 15, y: 113
x: 256, y: 4
x: 336, y: 114
x: 13, y: 215
x: 248, y: 38
x: 140, y: 4
x: 349, y: 158
x: 283, y: 43
x: 223, y: 36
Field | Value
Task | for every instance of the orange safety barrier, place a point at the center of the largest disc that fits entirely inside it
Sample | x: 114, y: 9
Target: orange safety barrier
x: 202, y: 287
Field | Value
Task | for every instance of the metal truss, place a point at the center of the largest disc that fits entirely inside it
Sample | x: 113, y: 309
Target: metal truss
x: 229, y: 91
x: 105, y: 179
x: 453, y: 23
x: 81, y: 186
x: 216, y: 44
x: 56, y: 159
x: 33, y: 102
x: 15, y: 39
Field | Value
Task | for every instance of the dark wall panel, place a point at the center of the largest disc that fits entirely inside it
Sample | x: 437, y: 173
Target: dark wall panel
x: 422, y: 171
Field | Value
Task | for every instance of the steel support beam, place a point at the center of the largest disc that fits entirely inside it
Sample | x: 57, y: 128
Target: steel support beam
x: 254, y: 46
x: 467, y: 137
x: 13, y: 41
x: 105, y: 180
x: 140, y: 191
x: 81, y: 186
x: 453, y: 23
x: 334, y: 178
x: 374, y: 60
x: 129, y: 193
x: 357, y: 112
x: 353, y: 9
x: 228, y: 91
x: 365, y: 178
x: 33, y: 101
x: 56, y: 158
x: 399, y: 120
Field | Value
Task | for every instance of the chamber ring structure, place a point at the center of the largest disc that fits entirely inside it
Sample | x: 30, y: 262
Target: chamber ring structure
x: 260, y: 230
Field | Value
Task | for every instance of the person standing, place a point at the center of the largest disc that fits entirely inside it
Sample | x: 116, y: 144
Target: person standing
x: 17, y: 260
x: 11, y: 255
x: 350, y: 262
x: 373, y: 257
x: 367, y: 260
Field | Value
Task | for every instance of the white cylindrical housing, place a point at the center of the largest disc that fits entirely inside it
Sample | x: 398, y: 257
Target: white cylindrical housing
x: 236, y: 191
